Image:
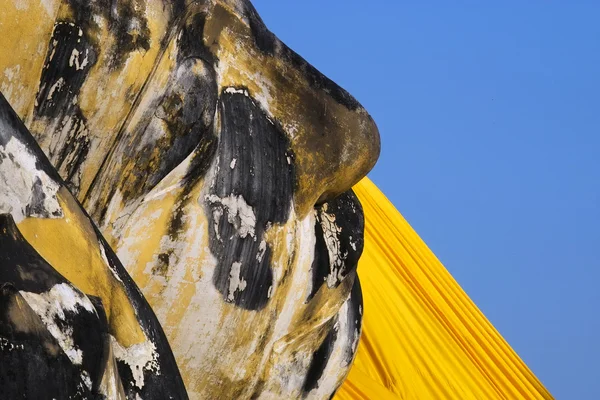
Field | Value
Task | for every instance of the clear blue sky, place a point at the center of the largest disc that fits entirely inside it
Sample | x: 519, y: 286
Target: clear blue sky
x: 490, y: 124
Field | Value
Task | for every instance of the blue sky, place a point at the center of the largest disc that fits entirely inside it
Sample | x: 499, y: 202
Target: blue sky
x: 490, y: 125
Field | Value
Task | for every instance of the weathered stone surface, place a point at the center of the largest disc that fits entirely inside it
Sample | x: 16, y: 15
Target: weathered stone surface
x: 211, y: 156
x: 72, y: 322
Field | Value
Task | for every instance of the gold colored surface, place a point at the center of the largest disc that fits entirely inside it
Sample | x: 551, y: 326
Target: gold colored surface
x: 70, y: 245
x: 26, y: 31
x: 423, y: 338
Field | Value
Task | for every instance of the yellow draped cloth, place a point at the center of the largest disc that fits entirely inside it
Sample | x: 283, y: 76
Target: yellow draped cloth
x: 423, y: 338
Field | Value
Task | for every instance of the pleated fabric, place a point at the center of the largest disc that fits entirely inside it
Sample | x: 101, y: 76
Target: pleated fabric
x: 423, y: 338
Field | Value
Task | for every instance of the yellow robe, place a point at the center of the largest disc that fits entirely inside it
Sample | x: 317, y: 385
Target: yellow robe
x: 423, y: 338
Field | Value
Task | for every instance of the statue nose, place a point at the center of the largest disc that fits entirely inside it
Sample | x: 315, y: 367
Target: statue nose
x: 334, y: 141
x: 345, y: 145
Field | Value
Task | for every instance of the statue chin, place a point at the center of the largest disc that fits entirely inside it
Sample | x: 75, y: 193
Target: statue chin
x: 176, y: 212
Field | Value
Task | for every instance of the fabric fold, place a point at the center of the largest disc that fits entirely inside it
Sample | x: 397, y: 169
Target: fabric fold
x: 423, y: 338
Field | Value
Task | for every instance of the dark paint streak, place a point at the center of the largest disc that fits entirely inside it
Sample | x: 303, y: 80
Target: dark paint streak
x: 355, y: 316
x: 191, y: 40
x: 11, y: 127
x: 320, y: 264
x: 319, y: 362
x: 23, y: 269
x: 20, y: 264
x: 61, y: 78
x: 178, y: 124
x: 69, y: 60
x: 166, y: 385
x: 33, y: 364
x: 348, y: 229
x: 36, y: 205
x: 338, y: 338
x: 264, y: 178
x: 126, y: 22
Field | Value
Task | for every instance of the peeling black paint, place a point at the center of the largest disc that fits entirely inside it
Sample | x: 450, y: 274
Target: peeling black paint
x: 125, y: 19
x: 347, y: 230
x: 263, y: 176
x: 70, y: 57
x: 355, y: 315
x: 319, y: 361
x: 23, y: 269
x: 68, y: 62
x: 33, y: 364
x: 179, y: 124
x: 130, y: 28
x: 346, y: 338
x: 11, y: 127
x: 20, y: 264
x: 190, y: 41
x: 36, y: 205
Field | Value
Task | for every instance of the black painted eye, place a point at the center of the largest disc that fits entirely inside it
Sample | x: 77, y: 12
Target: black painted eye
x: 253, y: 190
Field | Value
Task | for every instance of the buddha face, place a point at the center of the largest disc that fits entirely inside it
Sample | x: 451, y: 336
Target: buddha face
x: 218, y: 165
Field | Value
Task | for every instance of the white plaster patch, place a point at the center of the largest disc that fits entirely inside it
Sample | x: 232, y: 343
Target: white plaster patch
x: 85, y: 377
x: 74, y: 60
x: 6, y: 345
x: 114, y: 207
x: 291, y: 129
x: 236, y: 282
x: 139, y: 357
x: 352, y: 244
x: 262, y: 248
x: 232, y: 90
x: 336, y: 259
x: 50, y: 6
x: 13, y: 88
x: 21, y: 5
x: 57, y: 85
x: 217, y: 214
x: 25, y: 191
x: 239, y: 213
x: 12, y: 73
x: 51, y: 306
